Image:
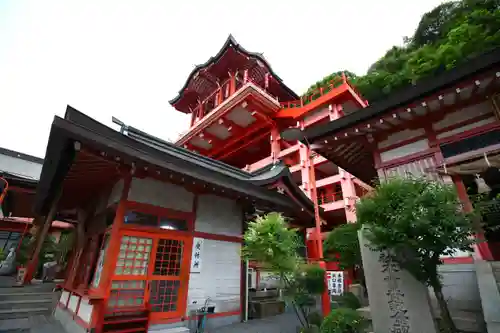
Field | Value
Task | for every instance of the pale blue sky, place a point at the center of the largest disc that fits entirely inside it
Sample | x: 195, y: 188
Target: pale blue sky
x: 128, y: 58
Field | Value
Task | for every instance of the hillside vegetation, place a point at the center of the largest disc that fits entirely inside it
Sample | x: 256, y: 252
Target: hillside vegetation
x: 449, y: 34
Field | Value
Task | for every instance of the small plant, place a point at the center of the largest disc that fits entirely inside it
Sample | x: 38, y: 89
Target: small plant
x: 269, y: 241
x: 349, y: 300
x: 343, y: 320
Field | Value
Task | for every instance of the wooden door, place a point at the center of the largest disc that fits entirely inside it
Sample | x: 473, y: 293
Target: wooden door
x: 169, y: 275
x: 152, y: 269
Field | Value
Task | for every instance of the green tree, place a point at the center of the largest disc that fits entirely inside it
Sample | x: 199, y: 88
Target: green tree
x: 343, y: 320
x: 342, y: 245
x: 449, y: 34
x: 416, y: 221
x: 270, y: 242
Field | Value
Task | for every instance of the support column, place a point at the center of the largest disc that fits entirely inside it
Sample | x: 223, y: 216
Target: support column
x: 304, y: 172
x: 232, y: 83
x: 114, y: 238
x: 481, y: 249
x: 41, y: 234
x: 275, y: 144
x: 79, y: 249
x: 349, y: 195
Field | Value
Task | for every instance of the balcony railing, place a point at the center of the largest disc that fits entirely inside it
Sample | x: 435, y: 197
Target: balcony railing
x: 222, y: 93
x: 315, y: 94
x: 330, y: 197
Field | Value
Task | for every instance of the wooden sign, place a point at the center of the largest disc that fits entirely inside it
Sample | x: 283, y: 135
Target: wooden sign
x: 197, y: 255
x: 335, y: 282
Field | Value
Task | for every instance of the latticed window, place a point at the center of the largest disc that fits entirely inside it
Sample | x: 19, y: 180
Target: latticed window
x: 134, y: 255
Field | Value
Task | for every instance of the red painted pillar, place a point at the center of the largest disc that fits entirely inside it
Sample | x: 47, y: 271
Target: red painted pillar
x: 481, y: 249
x: 275, y: 144
x: 232, y: 83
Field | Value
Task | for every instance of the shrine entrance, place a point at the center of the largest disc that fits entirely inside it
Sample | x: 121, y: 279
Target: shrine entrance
x: 152, y: 269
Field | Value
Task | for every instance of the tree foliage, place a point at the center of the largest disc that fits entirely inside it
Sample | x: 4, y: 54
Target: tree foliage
x: 342, y: 245
x: 446, y: 36
x: 270, y: 242
x: 343, y: 320
x: 416, y: 221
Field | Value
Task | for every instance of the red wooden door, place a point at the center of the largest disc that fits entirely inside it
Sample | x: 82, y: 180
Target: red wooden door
x: 152, y: 268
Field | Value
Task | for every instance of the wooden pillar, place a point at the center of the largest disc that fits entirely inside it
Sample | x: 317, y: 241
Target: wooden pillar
x: 114, y: 239
x: 481, y: 249
x: 304, y: 170
x: 349, y: 195
x: 41, y: 234
x: 79, y: 249
x: 275, y: 144
x: 232, y: 83
x: 193, y: 115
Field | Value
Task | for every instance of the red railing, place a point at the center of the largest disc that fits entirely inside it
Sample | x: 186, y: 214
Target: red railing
x: 315, y: 94
x: 329, y: 197
x: 222, y: 93
x: 213, y: 100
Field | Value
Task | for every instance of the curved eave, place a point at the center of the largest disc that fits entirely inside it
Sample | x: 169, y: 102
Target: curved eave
x: 279, y: 172
x: 231, y: 42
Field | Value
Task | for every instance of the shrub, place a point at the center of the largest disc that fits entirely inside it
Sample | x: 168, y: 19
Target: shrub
x: 349, y: 300
x: 343, y: 320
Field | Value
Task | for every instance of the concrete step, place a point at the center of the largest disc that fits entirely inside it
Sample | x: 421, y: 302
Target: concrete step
x: 25, y: 304
x: 25, y: 313
x: 27, y: 296
x: 171, y: 330
x: 36, y: 288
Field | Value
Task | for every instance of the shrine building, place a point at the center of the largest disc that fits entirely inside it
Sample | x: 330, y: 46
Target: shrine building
x: 19, y: 175
x: 158, y: 227
x: 239, y: 106
x: 446, y: 127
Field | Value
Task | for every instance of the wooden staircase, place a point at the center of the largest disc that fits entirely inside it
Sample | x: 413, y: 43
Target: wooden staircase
x: 131, y: 321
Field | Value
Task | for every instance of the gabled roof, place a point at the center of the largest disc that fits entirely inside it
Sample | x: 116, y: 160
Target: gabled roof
x: 231, y: 43
x: 144, y: 148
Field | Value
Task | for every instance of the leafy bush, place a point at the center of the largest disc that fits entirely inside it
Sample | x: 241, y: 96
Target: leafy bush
x: 343, y: 320
x: 315, y: 318
x: 349, y: 300
x: 449, y: 34
x: 270, y: 242
x: 342, y: 245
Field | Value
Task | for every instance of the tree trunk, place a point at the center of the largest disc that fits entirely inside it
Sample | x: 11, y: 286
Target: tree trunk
x: 447, y: 322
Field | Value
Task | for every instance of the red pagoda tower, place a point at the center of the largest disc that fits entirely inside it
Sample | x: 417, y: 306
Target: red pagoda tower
x: 239, y: 106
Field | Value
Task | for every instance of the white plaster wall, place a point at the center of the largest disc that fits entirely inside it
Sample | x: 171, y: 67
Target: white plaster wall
x: 461, y: 292
x: 156, y: 193
x: 116, y: 193
x: 64, y: 297
x: 476, y: 124
x: 400, y: 136
x: 219, y: 278
x: 218, y: 215
x: 464, y: 114
x: 408, y: 149
x: 85, y: 310
x: 73, y: 302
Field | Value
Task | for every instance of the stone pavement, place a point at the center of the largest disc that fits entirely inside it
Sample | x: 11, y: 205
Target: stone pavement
x: 34, y: 324
x: 284, y: 323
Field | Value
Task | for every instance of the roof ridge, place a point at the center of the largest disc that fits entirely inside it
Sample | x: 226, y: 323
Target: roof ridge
x: 182, y: 150
x: 230, y: 40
